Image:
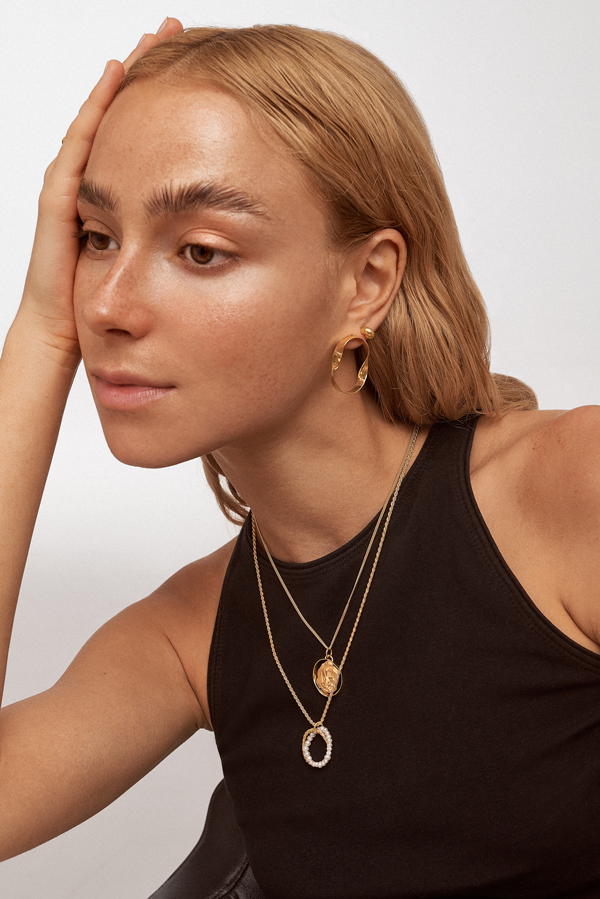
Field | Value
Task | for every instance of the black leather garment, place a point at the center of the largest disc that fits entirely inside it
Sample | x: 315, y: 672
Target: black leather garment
x: 217, y: 867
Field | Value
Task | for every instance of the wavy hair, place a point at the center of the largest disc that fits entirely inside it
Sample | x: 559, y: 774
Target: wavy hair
x: 348, y: 120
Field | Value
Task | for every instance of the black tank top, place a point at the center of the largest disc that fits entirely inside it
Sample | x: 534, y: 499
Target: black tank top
x: 466, y: 738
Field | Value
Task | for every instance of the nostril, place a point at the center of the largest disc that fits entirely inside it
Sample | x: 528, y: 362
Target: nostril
x: 116, y: 313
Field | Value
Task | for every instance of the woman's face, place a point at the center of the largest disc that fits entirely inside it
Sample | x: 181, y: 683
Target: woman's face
x: 206, y: 297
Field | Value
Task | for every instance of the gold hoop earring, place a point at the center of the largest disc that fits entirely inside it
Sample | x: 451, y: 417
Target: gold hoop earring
x: 363, y: 371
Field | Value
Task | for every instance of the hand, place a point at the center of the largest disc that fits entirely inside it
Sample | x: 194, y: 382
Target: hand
x: 48, y: 295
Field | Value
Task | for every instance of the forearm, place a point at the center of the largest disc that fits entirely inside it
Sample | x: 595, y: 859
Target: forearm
x: 35, y: 378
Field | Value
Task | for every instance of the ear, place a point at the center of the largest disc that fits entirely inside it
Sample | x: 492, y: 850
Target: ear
x: 373, y: 273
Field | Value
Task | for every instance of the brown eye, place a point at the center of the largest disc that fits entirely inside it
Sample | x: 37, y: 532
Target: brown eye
x: 201, y: 255
x: 98, y: 241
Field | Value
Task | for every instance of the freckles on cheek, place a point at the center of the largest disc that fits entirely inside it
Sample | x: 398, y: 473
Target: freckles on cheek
x: 88, y: 279
x: 226, y: 309
x: 239, y: 348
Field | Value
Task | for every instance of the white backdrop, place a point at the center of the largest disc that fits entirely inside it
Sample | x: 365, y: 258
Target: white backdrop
x: 510, y: 91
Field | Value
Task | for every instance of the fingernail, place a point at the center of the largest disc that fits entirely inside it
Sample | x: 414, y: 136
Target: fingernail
x: 140, y: 40
x: 164, y: 25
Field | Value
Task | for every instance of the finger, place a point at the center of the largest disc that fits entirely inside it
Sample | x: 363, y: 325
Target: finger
x: 78, y: 139
x: 168, y: 28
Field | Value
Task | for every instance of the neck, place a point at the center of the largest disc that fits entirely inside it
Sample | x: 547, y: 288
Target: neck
x: 318, y: 479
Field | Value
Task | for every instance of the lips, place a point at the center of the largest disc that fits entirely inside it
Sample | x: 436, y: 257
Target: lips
x: 124, y: 390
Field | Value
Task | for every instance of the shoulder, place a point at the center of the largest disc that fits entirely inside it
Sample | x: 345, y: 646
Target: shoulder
x: 551, y: 452
x: 184, y: 610
x: 559, y: 466
x: 537, y: 475
x: 197, y: 585
x: 568, y: 448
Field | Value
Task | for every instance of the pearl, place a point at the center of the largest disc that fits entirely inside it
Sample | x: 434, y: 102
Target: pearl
x: 307, y: 739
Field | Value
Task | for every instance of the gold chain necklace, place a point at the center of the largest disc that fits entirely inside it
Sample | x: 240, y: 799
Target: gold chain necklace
x: 330, y: 673
x: 326, y: 674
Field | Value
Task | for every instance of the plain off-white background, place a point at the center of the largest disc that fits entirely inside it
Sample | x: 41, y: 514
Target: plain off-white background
x: 510, y: 91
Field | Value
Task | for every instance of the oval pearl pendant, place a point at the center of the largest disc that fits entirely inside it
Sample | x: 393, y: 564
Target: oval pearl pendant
x: 307, y: 739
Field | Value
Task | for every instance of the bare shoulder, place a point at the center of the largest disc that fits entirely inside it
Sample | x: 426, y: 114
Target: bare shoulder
x: 198, y: 584
x: 557, y: 449
x: 185, y: 608
x: 536, y: 478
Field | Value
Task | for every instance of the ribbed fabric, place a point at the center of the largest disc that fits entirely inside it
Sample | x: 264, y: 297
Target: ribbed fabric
x: 466, y: 739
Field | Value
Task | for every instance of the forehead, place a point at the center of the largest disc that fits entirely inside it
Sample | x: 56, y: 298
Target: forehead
x: 155, y: 135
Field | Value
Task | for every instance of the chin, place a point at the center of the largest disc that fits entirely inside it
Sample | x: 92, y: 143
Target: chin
x: 143, y: 450
x: 148, y: 457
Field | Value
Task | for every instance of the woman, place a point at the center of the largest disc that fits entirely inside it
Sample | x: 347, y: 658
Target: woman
x: 245, y: 219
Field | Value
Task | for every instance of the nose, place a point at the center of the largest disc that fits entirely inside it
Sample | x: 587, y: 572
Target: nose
x: 119, y: 304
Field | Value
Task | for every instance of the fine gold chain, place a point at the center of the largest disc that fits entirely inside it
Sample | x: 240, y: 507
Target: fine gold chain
x: 317, y: 727
x: 327, y: 648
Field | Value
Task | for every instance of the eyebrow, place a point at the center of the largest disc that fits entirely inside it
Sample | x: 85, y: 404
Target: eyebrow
x: 102, y: 198
x: 170, y: 200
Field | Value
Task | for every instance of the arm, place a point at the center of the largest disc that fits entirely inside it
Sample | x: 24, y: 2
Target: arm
x: 135, y: 692
x: 35, y: 379
x: 116, y: 712
x: 121, y: 707
x: 41, y: 352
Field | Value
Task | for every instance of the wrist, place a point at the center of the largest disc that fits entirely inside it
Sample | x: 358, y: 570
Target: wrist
x: 43, y: 341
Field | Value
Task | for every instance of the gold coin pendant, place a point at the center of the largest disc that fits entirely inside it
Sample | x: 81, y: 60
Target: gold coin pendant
x: 327, y: 677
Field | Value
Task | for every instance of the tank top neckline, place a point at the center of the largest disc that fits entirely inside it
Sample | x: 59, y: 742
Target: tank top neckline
x: 356, y: 543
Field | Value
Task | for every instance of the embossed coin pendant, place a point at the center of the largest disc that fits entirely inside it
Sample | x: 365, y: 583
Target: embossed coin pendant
x: 327, y: 677
x: 321, y: 731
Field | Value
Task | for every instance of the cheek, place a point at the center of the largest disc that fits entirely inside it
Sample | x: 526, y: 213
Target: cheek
x: 243, y: 350
x: 82, y: 285
x: 261, y: 337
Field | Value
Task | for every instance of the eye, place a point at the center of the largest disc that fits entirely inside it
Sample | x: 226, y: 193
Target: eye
x: 99, y: 241
x: 201, y: 254
x: 96, y: 241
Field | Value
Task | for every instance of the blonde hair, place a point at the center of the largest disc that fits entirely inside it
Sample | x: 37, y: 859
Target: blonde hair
x: 351, y: 124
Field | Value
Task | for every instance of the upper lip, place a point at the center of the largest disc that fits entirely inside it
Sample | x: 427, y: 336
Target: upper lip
x: 125, y: 378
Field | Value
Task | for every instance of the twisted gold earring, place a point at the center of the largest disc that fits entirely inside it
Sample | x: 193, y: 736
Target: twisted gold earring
x: 367, y: 334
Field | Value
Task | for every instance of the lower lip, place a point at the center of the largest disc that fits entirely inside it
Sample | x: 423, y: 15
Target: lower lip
x: 127, y: 396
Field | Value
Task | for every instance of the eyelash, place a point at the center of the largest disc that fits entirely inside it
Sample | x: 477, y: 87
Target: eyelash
x: 82, y: 234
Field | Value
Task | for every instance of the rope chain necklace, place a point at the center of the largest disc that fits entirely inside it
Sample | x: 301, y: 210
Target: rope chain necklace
x: 327, y: 676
